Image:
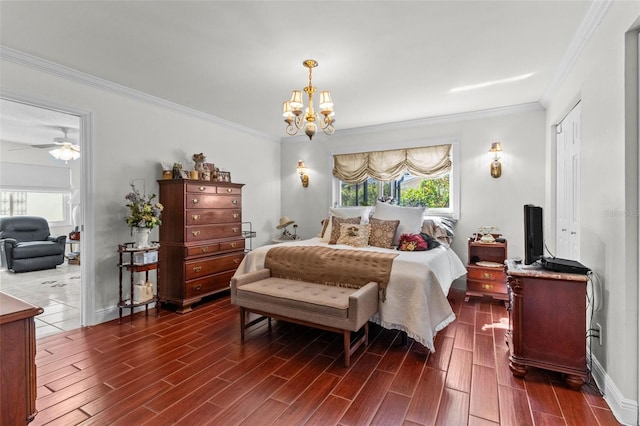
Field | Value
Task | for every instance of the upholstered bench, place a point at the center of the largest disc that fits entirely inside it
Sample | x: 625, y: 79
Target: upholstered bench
x: 328, y: 307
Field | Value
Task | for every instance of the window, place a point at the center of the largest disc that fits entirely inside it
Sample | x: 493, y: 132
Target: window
x: 418, y: 177
x: 407, y: 191
x: 35, y: 190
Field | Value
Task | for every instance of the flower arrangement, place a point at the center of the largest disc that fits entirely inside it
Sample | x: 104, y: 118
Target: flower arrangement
x: 143, y: 212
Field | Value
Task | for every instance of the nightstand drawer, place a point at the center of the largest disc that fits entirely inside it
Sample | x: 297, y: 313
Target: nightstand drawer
x: 486, y: 286
x: 489, y: 274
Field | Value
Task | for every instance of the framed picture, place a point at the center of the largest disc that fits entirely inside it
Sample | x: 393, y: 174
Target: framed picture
x: 224, y: 176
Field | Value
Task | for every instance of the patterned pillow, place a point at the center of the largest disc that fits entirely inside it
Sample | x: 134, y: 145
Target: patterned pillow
x: 354, y: 235
x: 410, y: 218
x: 335, y: 226
x: 382, y: 232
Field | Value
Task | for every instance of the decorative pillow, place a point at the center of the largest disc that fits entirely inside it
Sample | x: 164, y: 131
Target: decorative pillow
x: 362, y: 211
x: 410, y: 218
x: 382, y: 232
x: 441, y: 228
x: 417, y: 242
x: 344, y: 212
x: 354, y: 235
x: 335, y: 226
x: 325, y: 224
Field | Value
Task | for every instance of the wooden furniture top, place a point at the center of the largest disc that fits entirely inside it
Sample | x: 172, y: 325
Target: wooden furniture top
x: 535, y: 271
x: 14, y: 309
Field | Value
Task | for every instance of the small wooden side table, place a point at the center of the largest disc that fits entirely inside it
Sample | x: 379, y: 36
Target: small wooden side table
x: 143, y: 260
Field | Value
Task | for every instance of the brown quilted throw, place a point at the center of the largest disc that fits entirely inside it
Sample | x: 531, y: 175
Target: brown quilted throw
x: 343, y: 268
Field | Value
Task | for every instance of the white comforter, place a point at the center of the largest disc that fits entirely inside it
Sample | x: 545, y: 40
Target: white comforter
x: 417, y: 291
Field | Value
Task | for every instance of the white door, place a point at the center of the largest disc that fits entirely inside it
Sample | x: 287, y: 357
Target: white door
x: 568, y: 186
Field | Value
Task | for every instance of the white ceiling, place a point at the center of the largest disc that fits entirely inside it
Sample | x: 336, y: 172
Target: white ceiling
x: 383, y: 61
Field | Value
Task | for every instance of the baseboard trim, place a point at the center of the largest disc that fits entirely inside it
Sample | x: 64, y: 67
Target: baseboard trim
x: 625, y: 410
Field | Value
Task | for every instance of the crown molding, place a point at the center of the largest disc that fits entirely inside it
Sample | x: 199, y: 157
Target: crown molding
x: 428, y: 121
x: 58, y: 70
x: 592, y: 19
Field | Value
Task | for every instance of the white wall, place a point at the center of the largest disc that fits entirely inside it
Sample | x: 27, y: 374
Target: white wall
x: 129, y: 140
x: 484, y: 200
x: 609, y: 197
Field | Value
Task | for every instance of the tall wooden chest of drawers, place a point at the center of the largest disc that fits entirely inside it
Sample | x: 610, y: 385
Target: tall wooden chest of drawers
x: 201, y: 242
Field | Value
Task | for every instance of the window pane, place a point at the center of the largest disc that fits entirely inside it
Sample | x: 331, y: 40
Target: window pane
x: 50, y: 205
x: 433, y: 193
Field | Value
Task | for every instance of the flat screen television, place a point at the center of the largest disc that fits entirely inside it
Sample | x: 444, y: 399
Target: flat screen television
x: 533, y: 234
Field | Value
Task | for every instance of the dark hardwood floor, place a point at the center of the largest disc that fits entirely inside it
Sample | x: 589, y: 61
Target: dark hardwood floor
x: 192, y: 370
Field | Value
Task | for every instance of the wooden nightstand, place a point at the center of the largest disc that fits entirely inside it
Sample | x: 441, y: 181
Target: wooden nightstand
x: 485, y: 271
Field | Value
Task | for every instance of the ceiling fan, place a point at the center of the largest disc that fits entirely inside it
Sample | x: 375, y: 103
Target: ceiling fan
x: 64, y: 147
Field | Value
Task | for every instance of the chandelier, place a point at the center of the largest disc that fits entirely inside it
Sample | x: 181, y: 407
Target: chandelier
x: 309, y: 120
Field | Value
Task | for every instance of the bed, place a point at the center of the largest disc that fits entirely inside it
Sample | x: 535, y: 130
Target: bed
x: 416, y: 294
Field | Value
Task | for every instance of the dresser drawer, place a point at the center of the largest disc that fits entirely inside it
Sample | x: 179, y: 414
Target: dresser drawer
x: 203, y: 250
x: 214, y: 248
x: 207, y: 201
x: 489, y: 274
x: 205, y: 217
x: 201, y: 189
x: 207, y: 266
x: 207, y: 285
x: 232, y: 245
x: 212, y: 232
x: 486, y: 286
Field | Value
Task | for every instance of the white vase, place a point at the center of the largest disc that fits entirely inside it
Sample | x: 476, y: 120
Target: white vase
x: 141, y: 236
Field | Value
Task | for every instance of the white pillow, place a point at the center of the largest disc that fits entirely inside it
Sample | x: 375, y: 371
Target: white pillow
x: 410, y: 218
x: 346, y: 212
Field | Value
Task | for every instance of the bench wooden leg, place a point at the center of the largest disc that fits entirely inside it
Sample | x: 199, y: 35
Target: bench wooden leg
x: 348, y: 349
x: 243, y: 320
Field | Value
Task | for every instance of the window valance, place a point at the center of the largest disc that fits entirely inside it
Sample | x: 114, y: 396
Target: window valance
x: 425, y: 162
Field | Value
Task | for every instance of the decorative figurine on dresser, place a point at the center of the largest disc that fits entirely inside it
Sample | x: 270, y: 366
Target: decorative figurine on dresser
x: 201, y: 239
x: 485, y: 271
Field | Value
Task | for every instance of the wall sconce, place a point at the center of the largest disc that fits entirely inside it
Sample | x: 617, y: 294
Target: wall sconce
x: 302, y: 171
x: 496, y: 167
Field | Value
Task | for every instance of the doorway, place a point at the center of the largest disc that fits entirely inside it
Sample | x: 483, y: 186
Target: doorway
x: 31, y: 129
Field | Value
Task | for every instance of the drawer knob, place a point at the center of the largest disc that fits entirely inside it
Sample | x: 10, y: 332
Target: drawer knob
x: 202, y: 188
x: 487, y: 275
x: 195, y: 216
x: 229, y: 190
x: 487, y: 286
x: 236, y: 261
x: 235, y: 229
x: 233, y: 245
x: 235, y: 215
x: 195, y: 233
x: 234, y: 201
x: 204, y: 249
x: 197, y: 268
x: 197, y: 287
x: 194, y: 201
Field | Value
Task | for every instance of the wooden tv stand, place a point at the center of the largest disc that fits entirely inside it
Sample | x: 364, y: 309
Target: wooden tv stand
x: 547, y: 322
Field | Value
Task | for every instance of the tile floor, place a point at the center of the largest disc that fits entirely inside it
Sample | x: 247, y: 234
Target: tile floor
x: 57, y: 291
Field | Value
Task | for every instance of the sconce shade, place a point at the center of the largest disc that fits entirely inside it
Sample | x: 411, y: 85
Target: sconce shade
x: 301, y: 166
x: 496, y: 147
